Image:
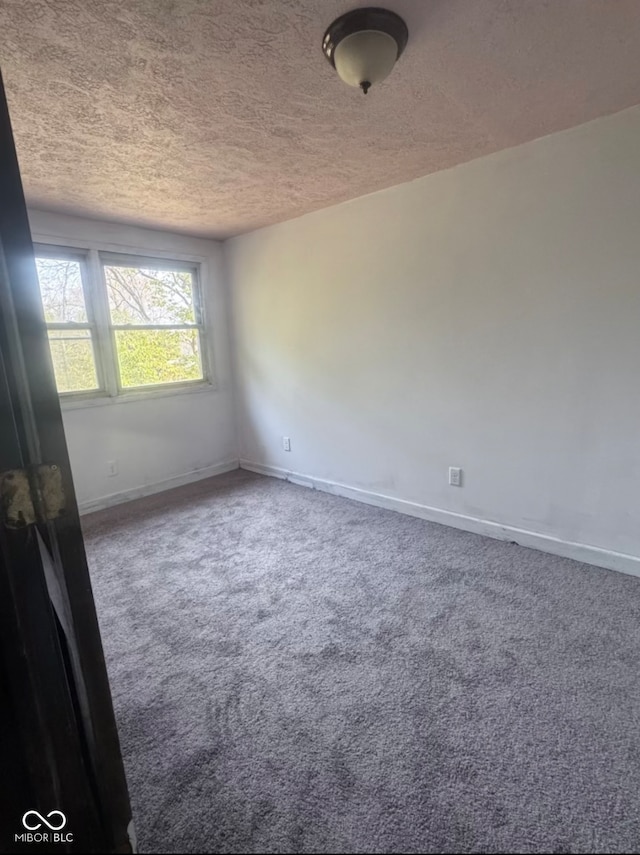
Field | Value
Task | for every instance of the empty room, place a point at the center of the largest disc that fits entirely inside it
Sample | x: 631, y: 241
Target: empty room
x: 320, y: 410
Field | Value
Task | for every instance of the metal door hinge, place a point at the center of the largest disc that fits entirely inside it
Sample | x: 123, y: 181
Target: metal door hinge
x: 31, y: 495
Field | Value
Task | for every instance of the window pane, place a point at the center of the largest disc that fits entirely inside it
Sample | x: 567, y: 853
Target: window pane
x: 73, y: 362
x: 149, y: 357
x: 141, y: 295
x: 61, y: 289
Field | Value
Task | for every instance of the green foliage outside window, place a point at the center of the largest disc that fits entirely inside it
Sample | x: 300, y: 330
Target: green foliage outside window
x: 73, y: 361
x: 163, y: 297
x: 157, y: 356
x: 137, y: 296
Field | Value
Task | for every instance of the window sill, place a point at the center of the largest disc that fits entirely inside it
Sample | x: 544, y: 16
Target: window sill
x: 79, y: 403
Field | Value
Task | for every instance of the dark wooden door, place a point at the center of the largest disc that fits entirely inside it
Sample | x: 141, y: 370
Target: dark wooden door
x: 62, y: 771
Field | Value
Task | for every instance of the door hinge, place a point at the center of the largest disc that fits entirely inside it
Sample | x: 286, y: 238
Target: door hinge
x: 31, y: 495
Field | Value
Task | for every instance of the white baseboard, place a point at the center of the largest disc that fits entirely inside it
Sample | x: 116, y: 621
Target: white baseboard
x: 158, y: 487
x: 606, y: 558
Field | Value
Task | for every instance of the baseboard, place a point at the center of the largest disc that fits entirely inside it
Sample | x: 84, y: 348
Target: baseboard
x: 158, y: 487
x: 606, y: 558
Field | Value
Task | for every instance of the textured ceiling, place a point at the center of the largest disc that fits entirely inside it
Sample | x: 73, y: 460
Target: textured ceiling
x: 217, y: 116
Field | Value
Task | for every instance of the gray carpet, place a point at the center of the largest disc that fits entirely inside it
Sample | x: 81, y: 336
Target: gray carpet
x: 295, y: 672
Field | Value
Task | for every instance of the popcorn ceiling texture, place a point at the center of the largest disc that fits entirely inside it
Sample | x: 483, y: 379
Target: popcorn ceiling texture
x: 218, y: 116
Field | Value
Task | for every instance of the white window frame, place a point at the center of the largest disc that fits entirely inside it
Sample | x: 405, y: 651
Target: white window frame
x: 81, y: 257
x: 92, y: 261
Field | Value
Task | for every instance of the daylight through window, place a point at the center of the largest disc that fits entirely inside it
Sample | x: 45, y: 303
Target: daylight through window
x: 136, y: 326
x: 71, y: 335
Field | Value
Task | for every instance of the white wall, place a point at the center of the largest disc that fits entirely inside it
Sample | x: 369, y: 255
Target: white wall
x: 161, y: 441
x: 486, y: 317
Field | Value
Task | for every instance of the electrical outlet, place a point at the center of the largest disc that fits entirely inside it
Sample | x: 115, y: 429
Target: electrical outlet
x: 455, y: 476
x: 112, y: 468
x: 286, y: 443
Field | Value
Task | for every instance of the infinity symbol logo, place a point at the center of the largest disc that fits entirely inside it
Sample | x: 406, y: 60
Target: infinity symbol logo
x: 42, y: 819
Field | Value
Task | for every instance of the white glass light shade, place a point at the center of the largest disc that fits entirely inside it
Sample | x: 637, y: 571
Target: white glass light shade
x: 365, y: 57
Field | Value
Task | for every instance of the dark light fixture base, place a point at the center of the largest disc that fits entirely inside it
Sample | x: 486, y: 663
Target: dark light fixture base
x: 369, y: 18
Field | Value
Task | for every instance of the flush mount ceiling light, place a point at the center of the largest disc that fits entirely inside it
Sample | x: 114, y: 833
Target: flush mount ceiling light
x: 364, y: 45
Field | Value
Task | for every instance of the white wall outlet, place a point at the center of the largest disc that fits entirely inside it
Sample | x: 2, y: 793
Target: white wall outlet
x: 455, y: 476
x: 112, y: 468
x: 286, y: 443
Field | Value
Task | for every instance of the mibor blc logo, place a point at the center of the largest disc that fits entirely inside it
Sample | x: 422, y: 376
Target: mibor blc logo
x: 44, y: 829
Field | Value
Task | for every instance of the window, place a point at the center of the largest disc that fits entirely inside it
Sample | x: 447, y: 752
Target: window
x: 119, y: 324
x: 153, y: 316
x: 71, y: 334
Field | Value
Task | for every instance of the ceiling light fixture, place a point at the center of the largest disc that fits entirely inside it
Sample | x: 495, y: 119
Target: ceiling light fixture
x: 364, y: 45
